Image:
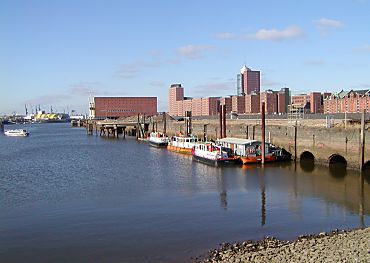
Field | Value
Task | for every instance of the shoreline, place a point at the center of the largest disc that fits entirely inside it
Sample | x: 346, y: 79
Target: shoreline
x: 336, y: 246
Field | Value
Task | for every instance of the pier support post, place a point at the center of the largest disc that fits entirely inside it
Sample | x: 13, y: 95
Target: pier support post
x: 221, y: 134
x: 362, y: 141
x: 164, y: 123
x: 224, y: 120
x: 205, y: 132
x: 1, y: 126
x: 116, y: 131
x: 295, y: 141
x: 263, y: 134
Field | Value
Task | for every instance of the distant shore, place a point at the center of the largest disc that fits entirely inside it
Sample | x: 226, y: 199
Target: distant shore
x: 335, y: 246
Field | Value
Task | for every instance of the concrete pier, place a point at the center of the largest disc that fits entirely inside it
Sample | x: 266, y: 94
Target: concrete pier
x: 328, y: 145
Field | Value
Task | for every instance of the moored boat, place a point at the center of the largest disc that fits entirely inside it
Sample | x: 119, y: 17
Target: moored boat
x: 210, y: 153
x: 249, y: 151
x: 158, y: 139
x: 16, y: 133
x: 182, y: 144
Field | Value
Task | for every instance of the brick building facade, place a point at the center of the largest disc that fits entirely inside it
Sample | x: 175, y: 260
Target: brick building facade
x: 353, y: 101
x: 115, y: 107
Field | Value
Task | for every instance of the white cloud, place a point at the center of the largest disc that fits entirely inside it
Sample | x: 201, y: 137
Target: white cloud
x: 215, y: 88
x: 84, y: 88
x: 193, y: 51
x: 314, y: 62
x: 276, y: 35
x: 130, y: 70
x: 328, y: 23
x: 269, y: 83
x: 157, y: 83
x: 48, y: 99
x: 225, y: 35
x: 324, y: 25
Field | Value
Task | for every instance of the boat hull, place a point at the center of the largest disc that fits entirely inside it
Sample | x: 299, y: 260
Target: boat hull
x: 16, y: 134
x: 158, y: 144
x: 256, y: 159
x: 179, y: 149
x: 216, y: 162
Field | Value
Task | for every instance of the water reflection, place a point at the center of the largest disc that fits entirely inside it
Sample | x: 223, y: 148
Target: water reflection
x: 338, y: 170
x: 307, y: 165
x: 263, y: 200
x: 127, y: 193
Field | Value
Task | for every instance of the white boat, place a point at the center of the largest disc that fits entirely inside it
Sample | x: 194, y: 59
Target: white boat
x: 16, y: 133
x: 158, y: 139
x: 213, y: 154
x: 182, y: 144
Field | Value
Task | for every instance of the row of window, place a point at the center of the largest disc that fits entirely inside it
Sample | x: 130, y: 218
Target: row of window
x: 120, y: 110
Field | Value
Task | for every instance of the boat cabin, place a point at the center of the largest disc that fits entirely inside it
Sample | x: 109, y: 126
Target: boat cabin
x: 242, y: 147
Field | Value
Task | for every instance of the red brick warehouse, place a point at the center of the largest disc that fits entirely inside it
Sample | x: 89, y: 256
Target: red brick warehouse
x: 115, y: 107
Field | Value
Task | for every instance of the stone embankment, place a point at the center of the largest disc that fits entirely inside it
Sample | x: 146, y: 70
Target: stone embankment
x: 336, y: 246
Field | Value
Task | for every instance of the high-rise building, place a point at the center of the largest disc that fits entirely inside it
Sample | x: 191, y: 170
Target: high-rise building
x: 175, y: 94
x: 248, y: 81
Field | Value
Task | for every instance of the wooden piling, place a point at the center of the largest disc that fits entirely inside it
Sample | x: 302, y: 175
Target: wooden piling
x: 295, y: 141
x: 221, y: 134
x: 362, y: 141
x: 1, y: 126
x: 164, y: 123
x: 263, y: 133
x: 224, y: 121
x: 205, y: 132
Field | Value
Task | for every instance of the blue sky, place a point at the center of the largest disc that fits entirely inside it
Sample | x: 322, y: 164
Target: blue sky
x: 56, y: 53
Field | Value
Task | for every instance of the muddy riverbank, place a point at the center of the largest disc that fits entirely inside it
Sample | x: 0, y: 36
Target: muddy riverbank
x: 336, y: 246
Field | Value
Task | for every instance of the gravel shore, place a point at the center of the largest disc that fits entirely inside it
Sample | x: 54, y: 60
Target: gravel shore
x: 336, y: 246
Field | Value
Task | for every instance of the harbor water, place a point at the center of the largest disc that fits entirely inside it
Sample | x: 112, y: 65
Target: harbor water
x: 69, y: 197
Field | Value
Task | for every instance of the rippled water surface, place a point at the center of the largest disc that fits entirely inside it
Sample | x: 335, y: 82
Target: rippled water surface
x: 69, y: 197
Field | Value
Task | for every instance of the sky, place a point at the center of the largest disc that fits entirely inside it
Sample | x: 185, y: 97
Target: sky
x: 58, y: 53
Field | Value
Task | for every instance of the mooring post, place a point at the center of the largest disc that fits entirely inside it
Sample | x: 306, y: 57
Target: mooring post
x: 224, y: 120
x: 295, y: 141
x: 362, y: 142
x: 205, y: 132
x: 186, y: 124
x: 220, y: 109
x: 124, y: 132
x: 164, y: 123
x: 1, y: 126
x: 263, y: 133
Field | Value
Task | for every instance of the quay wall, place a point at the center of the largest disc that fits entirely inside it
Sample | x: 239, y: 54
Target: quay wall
x: 312, y: 136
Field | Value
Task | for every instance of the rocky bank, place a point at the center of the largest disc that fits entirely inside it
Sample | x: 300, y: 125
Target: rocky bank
x: 336, y: 246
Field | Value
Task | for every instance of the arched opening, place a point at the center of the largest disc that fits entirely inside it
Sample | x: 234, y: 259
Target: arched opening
x: 366, y: 171
x: 307, y: 161
x: 337, y: 160
x: 337, y: 166
x: 307, y: 156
